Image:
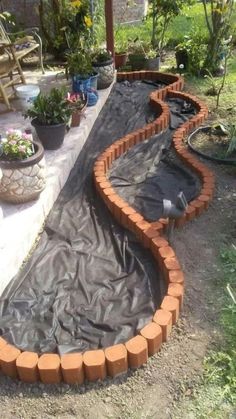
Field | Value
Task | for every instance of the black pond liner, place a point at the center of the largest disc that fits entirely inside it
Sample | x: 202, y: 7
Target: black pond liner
x: 89, y: 283
x: 204, y: 155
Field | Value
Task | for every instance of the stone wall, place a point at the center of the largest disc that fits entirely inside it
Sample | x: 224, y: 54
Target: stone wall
x: 133, y: 13
x: 26, y: 10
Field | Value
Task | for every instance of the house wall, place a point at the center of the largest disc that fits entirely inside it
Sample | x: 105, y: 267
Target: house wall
x: 24, y: 10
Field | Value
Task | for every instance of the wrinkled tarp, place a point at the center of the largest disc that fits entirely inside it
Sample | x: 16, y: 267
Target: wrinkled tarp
x: 151, y: 172
x: 89, y: 283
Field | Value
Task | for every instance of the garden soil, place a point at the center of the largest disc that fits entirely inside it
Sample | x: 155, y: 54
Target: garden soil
x: 170, y: 376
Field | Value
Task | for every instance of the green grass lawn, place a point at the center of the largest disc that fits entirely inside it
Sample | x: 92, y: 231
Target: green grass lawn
x: 178, y: 28
x: 190, y: 18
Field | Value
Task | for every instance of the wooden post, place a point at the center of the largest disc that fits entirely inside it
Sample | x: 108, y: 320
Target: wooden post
x: 109, y: 26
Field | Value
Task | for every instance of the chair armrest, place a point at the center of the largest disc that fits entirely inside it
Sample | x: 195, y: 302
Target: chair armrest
x: 29, y: 30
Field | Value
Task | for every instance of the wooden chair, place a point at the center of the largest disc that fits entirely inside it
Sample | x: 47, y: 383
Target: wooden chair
x: 11, y: 53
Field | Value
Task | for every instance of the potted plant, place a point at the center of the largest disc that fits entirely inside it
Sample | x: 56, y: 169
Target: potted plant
x: 23, y: 167
x: 103, y: 64
x: 50, y: 114
x: 152, y: 60
x: 121, y: 55
x: 191, y: 51
x: 80, y: 68
x: 137, y: 55
x: 77, y: 103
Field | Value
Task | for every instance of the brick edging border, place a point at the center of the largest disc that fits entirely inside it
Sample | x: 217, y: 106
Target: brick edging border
x: 97, y: 364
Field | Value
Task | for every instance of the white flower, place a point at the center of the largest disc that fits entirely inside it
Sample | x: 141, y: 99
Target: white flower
x: 181, y: 66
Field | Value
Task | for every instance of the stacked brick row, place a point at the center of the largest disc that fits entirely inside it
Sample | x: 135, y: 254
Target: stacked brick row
x: 97, y: 364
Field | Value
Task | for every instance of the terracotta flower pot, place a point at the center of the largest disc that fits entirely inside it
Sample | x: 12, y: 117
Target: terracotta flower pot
x: 77, y: 116
x: 120, y: 59
x: 23, y: 180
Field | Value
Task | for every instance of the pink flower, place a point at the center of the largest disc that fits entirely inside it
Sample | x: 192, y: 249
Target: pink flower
x: 26, y: 136
x: 10, y: 131
x: 22, y: 148
x: 12, y: 142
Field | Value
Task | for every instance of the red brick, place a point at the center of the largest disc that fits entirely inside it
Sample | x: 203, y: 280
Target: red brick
x: 136, y: 137
x: 190, y: 212
x: 148, y: 130
x: 119, y: 204
x: 136, y: 75
x: 126, y: 143
x: 207, y: 192
x: 209, y: 178
x: 164, y: 222
x: 8, y: 357
x: 198, y: 205
x: 49, y: 368
x: 133, y: 219
x: 3, y: 343
x: 100, y: 179
x: 100, y: 165
x: 164, y: 319
x: 172, y: 264
x: 116, y: 360
x: 95, y: 365
x: 158, y: 242
x: 137, y: 349
x: 142, y: 134
x: 205, y: 199
x: 177, y: 291
x: 153, y: 334
x: 141, y: 226
x: 171, y: 304
x: 149, y: 234
x: 156, y: 225
x: 176, y: 276
x: 130, y: 76
x: 168, y: 265
x: 208, y: 183
x: 165, y: 252
x: 106, y: 195
x: 126, y: 211
x: 72, y: 368
x: 117, y: 150
x: 105, y: 185
x: 27, y: 367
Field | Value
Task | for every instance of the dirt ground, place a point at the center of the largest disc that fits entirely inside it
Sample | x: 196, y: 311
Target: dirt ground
x: 157, y: 389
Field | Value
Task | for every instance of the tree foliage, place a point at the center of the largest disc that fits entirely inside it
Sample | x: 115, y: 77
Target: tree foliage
x: 65, y: 24
x: 218, y: 20
x: 162, y: 13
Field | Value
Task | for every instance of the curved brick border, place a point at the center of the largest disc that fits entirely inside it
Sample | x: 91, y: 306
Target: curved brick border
x: 112, y: 361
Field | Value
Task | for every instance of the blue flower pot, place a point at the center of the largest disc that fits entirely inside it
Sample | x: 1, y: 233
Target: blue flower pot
x: 80, y: 85
x: 92, y: 97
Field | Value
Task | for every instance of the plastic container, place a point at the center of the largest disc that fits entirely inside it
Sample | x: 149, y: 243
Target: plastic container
x: 27, y: 93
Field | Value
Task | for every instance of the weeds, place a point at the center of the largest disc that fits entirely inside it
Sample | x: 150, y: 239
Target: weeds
x: 220, y: 366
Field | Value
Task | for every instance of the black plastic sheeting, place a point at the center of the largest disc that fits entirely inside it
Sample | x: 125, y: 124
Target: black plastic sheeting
x: 89, y: 283
x: 150, y: 172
